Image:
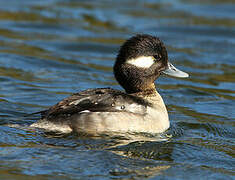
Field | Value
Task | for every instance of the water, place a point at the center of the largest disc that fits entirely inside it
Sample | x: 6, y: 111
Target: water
x: 51, y: 49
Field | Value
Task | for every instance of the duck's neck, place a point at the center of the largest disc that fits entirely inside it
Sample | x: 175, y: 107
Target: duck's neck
x: 151, y: 90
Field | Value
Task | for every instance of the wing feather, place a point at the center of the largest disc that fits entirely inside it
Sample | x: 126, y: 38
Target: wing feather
x: 98, y: 100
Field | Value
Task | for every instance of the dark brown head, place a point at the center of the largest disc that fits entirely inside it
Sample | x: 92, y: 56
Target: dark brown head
x: 140, y: 61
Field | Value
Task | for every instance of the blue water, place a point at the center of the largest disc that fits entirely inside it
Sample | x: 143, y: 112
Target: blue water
x: 51, y: 49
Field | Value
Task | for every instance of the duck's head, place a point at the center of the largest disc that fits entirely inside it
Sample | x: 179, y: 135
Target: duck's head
x: 140, y: 62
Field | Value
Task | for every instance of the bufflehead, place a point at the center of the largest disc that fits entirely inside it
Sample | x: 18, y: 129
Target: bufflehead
x: 140, y: 61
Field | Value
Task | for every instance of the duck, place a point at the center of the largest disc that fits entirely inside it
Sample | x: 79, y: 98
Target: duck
x: 139, y: 109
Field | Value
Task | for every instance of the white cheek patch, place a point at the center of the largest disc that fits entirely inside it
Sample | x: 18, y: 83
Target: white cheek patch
x: 142, y: 61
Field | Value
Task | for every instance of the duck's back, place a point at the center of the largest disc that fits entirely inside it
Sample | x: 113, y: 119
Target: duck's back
x: 96, y: 110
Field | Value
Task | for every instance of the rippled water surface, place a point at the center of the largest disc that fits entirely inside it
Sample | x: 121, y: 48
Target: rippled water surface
x: 51, y: 49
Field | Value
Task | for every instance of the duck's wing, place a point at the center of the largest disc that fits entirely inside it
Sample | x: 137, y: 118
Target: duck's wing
x: 97, y: 100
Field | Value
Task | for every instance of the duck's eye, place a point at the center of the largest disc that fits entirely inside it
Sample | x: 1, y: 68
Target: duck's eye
x: 157, y: 57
